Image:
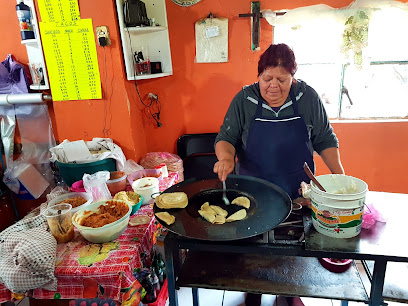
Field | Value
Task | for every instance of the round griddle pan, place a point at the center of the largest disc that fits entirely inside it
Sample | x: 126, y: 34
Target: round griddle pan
x: 270, y: 206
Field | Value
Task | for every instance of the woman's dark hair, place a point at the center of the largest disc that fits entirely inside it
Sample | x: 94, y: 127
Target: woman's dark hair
x: 278, y: 55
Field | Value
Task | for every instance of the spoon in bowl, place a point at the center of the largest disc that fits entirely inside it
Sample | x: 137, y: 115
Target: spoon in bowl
x: 312, y: 177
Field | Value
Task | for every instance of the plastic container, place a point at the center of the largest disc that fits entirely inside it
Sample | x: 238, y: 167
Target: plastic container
x: 131, y: 198
x: 74, y: 172
x: 24, y: 19
x: 105, y: 233
x: 136, y: 207
x: 147, y: 187
x: 145, y: 173
x: 163, y: 296
x: 59, y: 222
x: 337, y: 266
x: 86, y: 196
x: 78, y: 186
x: 117, y: 182
x: 338, y: 212
x: 163, y: 168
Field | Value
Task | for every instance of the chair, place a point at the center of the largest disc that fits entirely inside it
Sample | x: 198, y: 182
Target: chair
x: 198, y: 155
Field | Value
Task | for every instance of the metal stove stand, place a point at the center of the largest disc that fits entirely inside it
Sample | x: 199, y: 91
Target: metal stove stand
x: 288, y: 268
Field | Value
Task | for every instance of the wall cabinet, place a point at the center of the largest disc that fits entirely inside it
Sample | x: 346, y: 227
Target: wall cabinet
x: 35, y: 51
x: 153, y: 40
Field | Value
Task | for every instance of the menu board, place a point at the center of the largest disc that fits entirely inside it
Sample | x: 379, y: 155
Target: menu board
x: 72, y: 64
x: 58, y: 10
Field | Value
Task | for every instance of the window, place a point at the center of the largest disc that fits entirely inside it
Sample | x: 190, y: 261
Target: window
x: 354, y: 85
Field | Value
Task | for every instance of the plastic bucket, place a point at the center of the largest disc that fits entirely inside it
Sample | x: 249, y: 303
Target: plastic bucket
x: 338, y: 212
x: 74, y: 172
x: 147, y: 187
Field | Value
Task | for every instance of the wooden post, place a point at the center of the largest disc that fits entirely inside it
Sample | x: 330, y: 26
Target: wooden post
x: 256, y: 16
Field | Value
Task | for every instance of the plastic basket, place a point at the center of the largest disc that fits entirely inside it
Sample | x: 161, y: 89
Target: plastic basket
x: 163, y: 296
x: 74, y: 172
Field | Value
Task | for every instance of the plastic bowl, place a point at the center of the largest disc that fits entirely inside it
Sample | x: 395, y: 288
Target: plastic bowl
x: 78, y: 186
x: 105, y: 233
x: 145, y: 173
x: 336, y: 265
x: 61, y: 198
x: 130, y: 198
x: 135, y: 207
x: 117, y: 182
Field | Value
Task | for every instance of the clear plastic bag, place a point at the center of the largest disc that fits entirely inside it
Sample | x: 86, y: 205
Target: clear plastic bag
x: 131, y: 166
x: 370, y: 216
x: 96, y: 185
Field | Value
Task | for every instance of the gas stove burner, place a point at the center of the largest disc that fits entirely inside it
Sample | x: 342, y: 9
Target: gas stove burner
x: 289, y: 232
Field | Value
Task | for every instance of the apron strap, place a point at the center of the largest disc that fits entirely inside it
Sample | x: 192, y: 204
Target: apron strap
x: 258, y: 112
x: 294, y: 102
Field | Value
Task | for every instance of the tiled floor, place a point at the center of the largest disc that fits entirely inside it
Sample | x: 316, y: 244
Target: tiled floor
x: 215, y: 298
x: 231, y: 298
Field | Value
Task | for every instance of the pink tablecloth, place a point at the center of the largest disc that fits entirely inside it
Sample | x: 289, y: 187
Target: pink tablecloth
x: 86, y: 270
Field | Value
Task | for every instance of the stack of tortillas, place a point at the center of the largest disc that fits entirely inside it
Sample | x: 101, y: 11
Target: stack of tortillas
x: 172, y: 200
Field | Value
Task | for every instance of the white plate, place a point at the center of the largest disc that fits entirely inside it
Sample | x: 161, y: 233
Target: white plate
x: 186, y: 2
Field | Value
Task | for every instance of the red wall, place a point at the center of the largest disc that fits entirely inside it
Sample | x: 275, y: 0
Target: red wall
x: 194, y: 99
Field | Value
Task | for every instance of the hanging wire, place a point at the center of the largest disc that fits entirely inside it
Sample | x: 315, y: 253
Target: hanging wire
x: 106, y: 95
x: 154, y: 101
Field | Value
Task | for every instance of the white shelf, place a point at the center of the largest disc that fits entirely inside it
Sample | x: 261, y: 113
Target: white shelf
x: 155, y: 39
x: 34, y: 48
x: 30, y: 42
x: 150, y: 76
x: 145, y: 30
x: 39, y: 87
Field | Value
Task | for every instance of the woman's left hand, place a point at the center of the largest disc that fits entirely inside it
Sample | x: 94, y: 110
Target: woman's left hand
x: 304, y: 199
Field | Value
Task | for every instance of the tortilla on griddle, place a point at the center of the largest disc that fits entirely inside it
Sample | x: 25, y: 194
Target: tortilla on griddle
x: 242, y: 201
x: 207, y: 215
x: 172, y: 200
x: 239, y: 215
x: 219, y: 211
x: 166, y: 217
x: 206, y: 207
x: 219, y: 219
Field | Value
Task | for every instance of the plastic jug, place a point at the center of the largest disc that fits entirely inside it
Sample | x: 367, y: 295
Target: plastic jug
x: 24, y: 19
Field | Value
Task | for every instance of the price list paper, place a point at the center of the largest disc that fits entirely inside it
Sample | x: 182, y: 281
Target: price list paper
x: 58, y: 10
x: 72, y: 63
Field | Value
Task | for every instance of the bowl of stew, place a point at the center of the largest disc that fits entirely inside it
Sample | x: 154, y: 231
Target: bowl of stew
x: 76, y: 199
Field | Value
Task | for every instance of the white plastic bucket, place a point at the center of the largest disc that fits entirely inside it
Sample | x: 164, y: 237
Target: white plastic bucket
x: 147, y: 187
x: 338, y: 212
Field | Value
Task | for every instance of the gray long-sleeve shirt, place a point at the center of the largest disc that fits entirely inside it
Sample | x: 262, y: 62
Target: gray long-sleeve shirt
x: 243, y: 107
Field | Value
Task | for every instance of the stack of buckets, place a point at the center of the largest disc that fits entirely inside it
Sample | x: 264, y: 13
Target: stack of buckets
x: 338, y: 212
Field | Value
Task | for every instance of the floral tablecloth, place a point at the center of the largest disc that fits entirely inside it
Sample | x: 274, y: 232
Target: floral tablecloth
x: 87, y: 270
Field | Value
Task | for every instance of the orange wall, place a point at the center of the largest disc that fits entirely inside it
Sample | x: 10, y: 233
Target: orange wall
x: 194, y: 99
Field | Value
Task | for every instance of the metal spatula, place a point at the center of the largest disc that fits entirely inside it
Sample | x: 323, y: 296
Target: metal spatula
x: 224, y: 194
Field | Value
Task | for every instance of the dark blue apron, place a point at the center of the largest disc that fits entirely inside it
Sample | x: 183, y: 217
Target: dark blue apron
x: 277, y: 149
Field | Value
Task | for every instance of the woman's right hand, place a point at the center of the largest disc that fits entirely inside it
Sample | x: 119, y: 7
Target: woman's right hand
x: 223, y: 168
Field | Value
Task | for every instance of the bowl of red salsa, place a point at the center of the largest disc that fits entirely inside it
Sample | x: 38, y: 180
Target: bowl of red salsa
x: 335, y: 264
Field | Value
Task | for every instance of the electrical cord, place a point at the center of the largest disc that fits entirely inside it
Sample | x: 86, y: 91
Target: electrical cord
x: 106, y: 96
x: 154, y: 101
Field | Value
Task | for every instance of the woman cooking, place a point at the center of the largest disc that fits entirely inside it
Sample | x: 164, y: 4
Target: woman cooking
x: 273, y: 127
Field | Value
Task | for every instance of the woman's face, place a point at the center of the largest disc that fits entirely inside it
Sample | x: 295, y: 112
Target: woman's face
x: 274, y: 84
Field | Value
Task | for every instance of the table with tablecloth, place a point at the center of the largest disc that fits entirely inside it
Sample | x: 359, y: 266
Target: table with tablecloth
x: 87, y: 270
